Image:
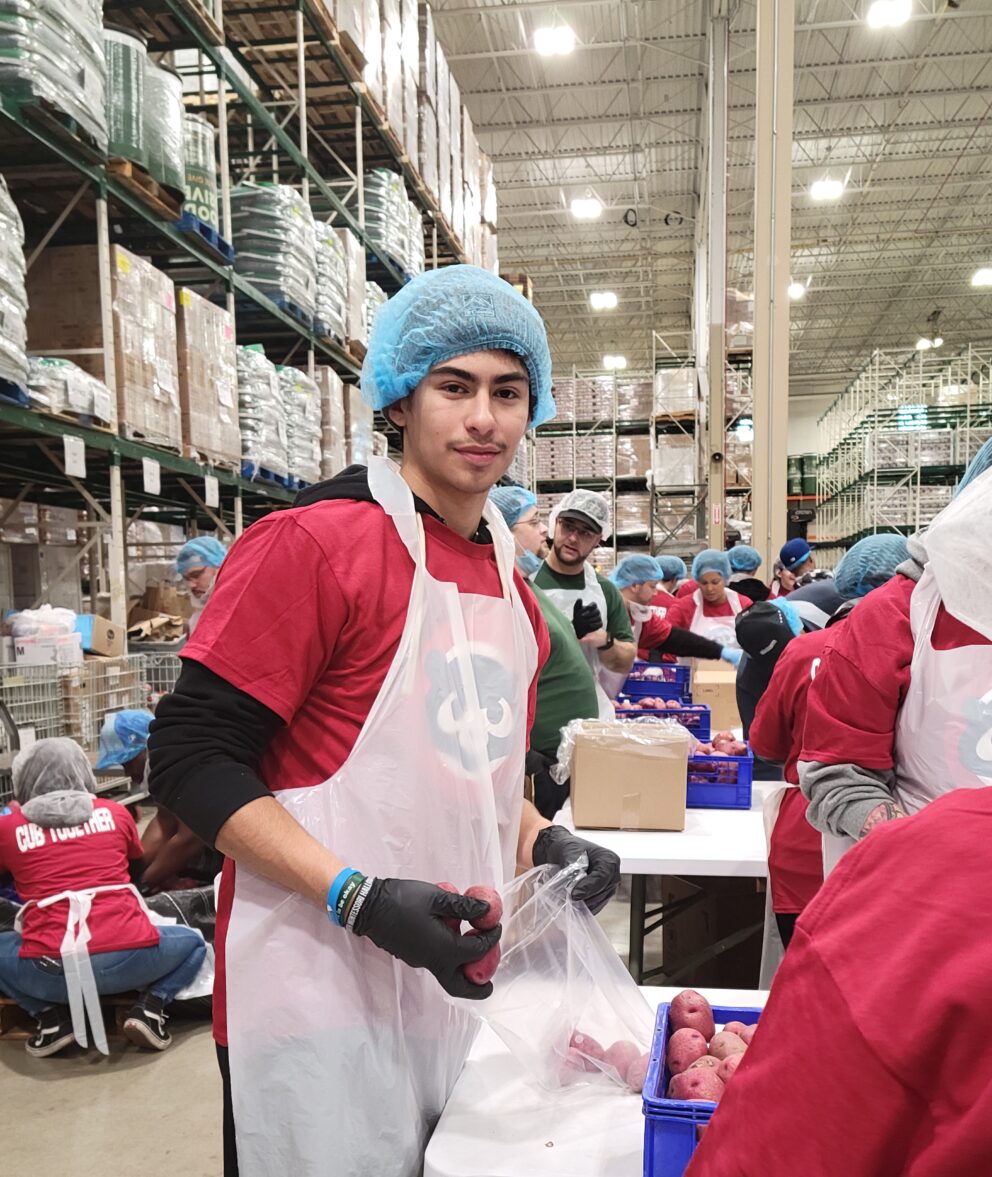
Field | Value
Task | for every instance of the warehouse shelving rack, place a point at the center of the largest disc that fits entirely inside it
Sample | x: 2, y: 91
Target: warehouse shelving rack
x: 863, y: 489
x: 288, y: 101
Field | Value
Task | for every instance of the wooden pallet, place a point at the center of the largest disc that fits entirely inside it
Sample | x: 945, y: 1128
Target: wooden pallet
x: 82, y: 419
x: 208, y: 458
x: 64, y: 127
x: 357, y: 349
x: 158, y: 442
x: 149, y: 191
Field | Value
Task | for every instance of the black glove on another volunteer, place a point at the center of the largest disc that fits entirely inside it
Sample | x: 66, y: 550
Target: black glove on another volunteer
x: 585, y: 619
x: 406, y: 918
x: 561, y: 847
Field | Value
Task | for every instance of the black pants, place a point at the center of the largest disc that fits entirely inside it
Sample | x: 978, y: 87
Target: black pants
x: 230, y: 1145
x: 786, y: 926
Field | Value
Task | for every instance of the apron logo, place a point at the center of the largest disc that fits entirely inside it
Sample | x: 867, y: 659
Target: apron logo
x: 975, y: 745
x: 455, y: 729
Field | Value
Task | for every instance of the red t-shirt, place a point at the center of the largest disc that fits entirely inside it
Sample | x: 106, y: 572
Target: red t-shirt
x: 306, y: 616
x: 795, y: 858
x: 686, y: 589
x: 862, y: 679
x: 654, y: 633
x: 95, y: 854
x: 868, y: 1060
x: 662, y: 600
x: 683, y: 611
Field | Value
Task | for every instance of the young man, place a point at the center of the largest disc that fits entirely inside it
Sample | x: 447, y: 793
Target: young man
x: 581, y: 523
x: 369, y: 657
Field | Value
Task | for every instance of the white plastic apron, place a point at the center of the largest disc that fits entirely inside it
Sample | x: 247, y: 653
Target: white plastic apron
x: 342, y: 1058
x: 717, y: 629
x: 608, y: 683
x: 772, y: 948
x: 943, y: 738
x: 77, y: 968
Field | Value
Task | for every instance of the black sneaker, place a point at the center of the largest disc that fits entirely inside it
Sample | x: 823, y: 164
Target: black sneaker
x: 145, y: 1024
x: 54, y: 1033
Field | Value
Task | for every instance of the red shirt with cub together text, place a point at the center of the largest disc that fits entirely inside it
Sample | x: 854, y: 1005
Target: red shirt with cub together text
x: 95, y: 854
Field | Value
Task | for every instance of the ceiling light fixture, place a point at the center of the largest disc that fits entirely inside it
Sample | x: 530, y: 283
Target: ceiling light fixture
x: 603, y: 300
x: 554, y: 41
x: 612, y: 363
x: 827, y: 189
x: 889, y: 14
x: 586, y: 208
x: 982, y: 277
x: 934, y: 339
x: 923, y: 344
x: 797, y: 290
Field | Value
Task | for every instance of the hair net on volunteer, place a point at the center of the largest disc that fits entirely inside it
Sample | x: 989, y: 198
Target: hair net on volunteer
x: 744, y: 558
x: 202, y: 552
x: 981, y: 462
x: 586, y: 502
x: 870, y: 563
x: 635, y: 570
x: 672, y: 568
x: 53, y: 783
x: 710, y: 560
x: 512, y: 502
x: 123, y: 736
x: 452, y: 312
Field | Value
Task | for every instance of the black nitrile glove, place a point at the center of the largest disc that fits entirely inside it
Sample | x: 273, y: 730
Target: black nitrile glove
x: 586, y: 619
x: 536, y: 762
x: 561, y: 847
x: 406, y: 918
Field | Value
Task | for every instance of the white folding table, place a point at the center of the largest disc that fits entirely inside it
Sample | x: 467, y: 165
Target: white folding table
x: 498, y: 1123
x: 729, y: 843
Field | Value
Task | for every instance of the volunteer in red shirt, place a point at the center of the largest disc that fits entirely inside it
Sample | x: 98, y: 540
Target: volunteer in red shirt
x: 783, y: 582
x: 867, y: 1059
x: 369, y: 657
x: 744, y: 564
x: 795, y: 858
x: 83, y: 929
x: 672, y: 571
x: 900, y: 712
x: 710, y: 610
x: 637, y: 578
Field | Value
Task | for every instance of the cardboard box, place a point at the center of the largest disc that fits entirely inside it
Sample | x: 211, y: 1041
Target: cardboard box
x: 208, y: 380
x: 716, y: 686
x: 100, y: 636
x: 354, y: 319
x: 358, y: 416
x: 95, y: 688
x: 160, y: 598
x: 333, y: 422
x: 630, y: 776
x: 56, y: 650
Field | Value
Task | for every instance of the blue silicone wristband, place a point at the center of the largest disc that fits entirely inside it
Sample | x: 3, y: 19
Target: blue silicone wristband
x: 334, y: 893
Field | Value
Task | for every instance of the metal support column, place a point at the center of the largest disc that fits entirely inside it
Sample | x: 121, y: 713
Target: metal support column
x: 224, y: 161
x: 301, y: 96
x: 239, y: 513
x: 776, y: 22
x: 106, y: 303
x: 359, y: 160
x: 716, y: 271
x: 116, y: 545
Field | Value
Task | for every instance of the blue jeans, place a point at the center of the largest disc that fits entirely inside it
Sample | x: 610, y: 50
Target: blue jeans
x: 36, y: 984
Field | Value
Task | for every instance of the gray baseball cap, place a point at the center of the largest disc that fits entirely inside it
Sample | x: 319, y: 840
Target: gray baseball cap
x: 585, y: 506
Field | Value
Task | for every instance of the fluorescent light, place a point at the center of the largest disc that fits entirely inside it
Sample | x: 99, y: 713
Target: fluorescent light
x: 612, y: 363
x: 889, y: 14
x: 586, y: 208
x: 796, y: 290
x: 826, y: 189
x: 982, y: 277
x: 923, y: 344
x: 603, y: 300
x: 554, y: 41
x: 936, y: 341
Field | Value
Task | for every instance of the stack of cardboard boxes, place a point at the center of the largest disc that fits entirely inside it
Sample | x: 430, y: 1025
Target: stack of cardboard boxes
x: 92, y: 690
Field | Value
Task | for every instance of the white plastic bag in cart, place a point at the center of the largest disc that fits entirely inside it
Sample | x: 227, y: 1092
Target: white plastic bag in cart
x: 561, y: 996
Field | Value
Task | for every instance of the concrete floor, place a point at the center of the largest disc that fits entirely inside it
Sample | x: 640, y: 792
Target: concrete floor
x: 137, y: 1113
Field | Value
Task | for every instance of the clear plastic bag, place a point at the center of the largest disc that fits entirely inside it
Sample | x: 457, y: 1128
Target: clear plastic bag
x: 650, y: 731
x: 562, y: 997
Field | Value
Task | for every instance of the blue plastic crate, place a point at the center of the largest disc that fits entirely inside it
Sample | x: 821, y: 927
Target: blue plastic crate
x: 727, y: 783
x: 671, y: 1126
x: 694, y: 716
x: 671, y: 683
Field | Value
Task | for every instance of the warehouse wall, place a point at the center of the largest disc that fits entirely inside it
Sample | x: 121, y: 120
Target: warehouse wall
x: 804, y: 412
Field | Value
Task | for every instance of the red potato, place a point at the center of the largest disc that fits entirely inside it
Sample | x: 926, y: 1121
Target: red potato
x: 701, y: 1084
x: 620, y: 1055
x: 737, y: 1028
x: 724, y: 737
x: 748, y: 1032
x: 725, y: 1071
x: 684, y: 1047
x: 481, y: 971
x: 637, y: 1073
x: 495, y: 912
x: 454, y: 924
x: 723, y: 1044
x: 706, y: 1061
x: 674, y: 705
x: 588, y: 1048
x: 691, y: 1009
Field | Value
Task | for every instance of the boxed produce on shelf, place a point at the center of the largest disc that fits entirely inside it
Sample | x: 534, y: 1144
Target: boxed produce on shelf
x: 354, y: 317
x: 488, y: 249
x: 13, y: 296
x: 935, y: 447
x: 95, y: 688
x: 358, y: 416
x: 675, y: 391
x: 274, y: 241
x: 634, y: 400
x: 554, y: 458
x: 262, y: 415
x: 301, y: 399
x: 331, y: 294
x: 427, y: 52
x: 427, y: 144
x: 633, y: 514
x: 349, y: 19
x: 333, y: 422
x: 675, y: 460
x: 375, y: 297
x: 633, y: 457
x: 62, y: 387
x: 208, y: 380
x: 392, y: 67
x: 372, y: 49
x: 392, y: 221
x: 410, y: 67
x: 594, y: 456
x: 968, y: 442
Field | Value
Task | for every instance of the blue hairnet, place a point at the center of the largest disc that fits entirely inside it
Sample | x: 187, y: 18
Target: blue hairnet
x: 978, y: 465
x: 871, y: 562
x: 202, y: 552
x: 451, y: 312
x: 123, y: 736
x: 710, y: 560
x: 635, y: 570
x: 744, y: 558
x: 511, y: 502
x: 790, y: 613
x: 672, y: 568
